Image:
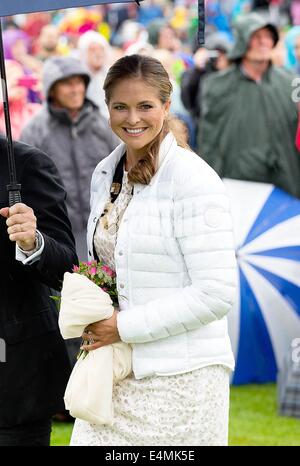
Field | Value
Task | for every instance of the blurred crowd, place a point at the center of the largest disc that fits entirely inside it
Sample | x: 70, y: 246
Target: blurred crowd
x: 99, y: 35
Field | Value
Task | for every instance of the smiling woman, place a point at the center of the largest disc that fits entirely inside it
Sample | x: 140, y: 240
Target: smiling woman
x: 137, y: 116
x: 175, y: 271
x: 138, y: 95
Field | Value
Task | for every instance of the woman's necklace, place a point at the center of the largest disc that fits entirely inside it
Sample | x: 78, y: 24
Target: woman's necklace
x: 113, y: 211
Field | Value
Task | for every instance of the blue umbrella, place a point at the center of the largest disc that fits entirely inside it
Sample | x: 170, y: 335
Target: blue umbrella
x: 266, y: 318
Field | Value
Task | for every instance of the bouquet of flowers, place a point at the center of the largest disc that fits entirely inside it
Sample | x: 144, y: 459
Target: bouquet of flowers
x: 89, y: 295
x: 102, y: 276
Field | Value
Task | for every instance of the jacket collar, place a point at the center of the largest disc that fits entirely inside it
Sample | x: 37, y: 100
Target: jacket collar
x: 109, y: 165
x: 63, y: 116
x: 265, y: 77
x: 166, y: 151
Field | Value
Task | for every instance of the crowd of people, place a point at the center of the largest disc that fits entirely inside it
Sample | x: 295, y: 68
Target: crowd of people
x: 131, y: 88
x: 97, y: 36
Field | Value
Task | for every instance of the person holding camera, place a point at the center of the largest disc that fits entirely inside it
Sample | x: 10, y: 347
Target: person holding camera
x: 208, y: 59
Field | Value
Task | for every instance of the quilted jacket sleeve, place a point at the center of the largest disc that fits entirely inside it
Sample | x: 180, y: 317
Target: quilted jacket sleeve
x: 203, y: 229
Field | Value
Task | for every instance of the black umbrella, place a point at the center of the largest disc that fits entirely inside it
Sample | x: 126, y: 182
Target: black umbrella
x: 13, y: 7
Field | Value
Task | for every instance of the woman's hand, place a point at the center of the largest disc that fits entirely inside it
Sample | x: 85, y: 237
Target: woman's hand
x: 21, y: 223
x: 102, y: 333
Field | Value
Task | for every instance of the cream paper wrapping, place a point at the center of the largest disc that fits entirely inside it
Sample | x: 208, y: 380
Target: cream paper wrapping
x: 88, y: 395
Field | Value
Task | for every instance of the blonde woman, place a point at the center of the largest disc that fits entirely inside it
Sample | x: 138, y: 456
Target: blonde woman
x: 160, y: 217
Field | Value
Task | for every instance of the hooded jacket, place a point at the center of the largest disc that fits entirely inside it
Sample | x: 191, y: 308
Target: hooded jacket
x: 76, y: 146
x: 244, y: 27
x: 248, y: 128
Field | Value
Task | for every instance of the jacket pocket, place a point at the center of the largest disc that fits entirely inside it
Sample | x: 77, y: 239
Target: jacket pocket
x: 20, y: 330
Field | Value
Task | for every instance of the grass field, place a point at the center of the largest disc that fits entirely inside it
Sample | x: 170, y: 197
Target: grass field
x: 253, y: 420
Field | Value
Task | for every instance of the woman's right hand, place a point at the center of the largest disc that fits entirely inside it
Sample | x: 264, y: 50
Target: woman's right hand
x: 102, y: 333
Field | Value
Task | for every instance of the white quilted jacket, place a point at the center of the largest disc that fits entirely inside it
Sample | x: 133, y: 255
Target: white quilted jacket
x: 175, y: 263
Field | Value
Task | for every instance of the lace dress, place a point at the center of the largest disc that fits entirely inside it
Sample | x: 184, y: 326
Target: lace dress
x: 178, y: 410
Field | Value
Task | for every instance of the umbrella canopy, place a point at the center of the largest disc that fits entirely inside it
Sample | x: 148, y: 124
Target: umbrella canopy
x: 266, y: 318
x: 14, y: 7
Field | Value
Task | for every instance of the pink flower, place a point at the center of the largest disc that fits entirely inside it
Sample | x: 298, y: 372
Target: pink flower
x: 91, y: 263
x: 76, y: 268
x: 93, y: 271
x: 108, y: 270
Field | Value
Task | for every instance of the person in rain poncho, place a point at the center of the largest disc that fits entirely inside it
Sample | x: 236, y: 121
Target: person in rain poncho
x: 249, y: 120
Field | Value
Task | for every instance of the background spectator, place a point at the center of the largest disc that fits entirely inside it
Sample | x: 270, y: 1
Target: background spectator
x: 95, y: 53
x: 48, y: 42
x: 21, y: 111
x: 249, y: 119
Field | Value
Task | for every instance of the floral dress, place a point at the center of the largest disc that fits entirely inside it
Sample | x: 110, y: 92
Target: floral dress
x: 183, y: 409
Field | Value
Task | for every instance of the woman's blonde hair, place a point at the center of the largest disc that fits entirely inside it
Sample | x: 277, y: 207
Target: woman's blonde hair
x: 154, y: 74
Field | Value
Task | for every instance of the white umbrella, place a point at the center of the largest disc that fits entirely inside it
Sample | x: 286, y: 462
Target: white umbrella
x: 266, y: 318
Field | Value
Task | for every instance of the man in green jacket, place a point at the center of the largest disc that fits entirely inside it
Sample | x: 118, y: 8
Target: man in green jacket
x: 249, y: 119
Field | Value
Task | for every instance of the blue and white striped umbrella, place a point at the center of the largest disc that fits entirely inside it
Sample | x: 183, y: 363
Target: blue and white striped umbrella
x: 266, y: 317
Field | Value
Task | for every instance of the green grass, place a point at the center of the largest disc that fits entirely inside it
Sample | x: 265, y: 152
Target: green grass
x: 253, y: 420
x: 61, y: 433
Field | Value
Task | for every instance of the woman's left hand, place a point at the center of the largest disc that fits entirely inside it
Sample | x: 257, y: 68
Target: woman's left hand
x: 102, y: 333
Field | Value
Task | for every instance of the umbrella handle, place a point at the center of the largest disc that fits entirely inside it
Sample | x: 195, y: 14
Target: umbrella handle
x: 14, y: 194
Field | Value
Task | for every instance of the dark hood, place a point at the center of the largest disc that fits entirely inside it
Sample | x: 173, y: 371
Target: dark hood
x: 243, y: 28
